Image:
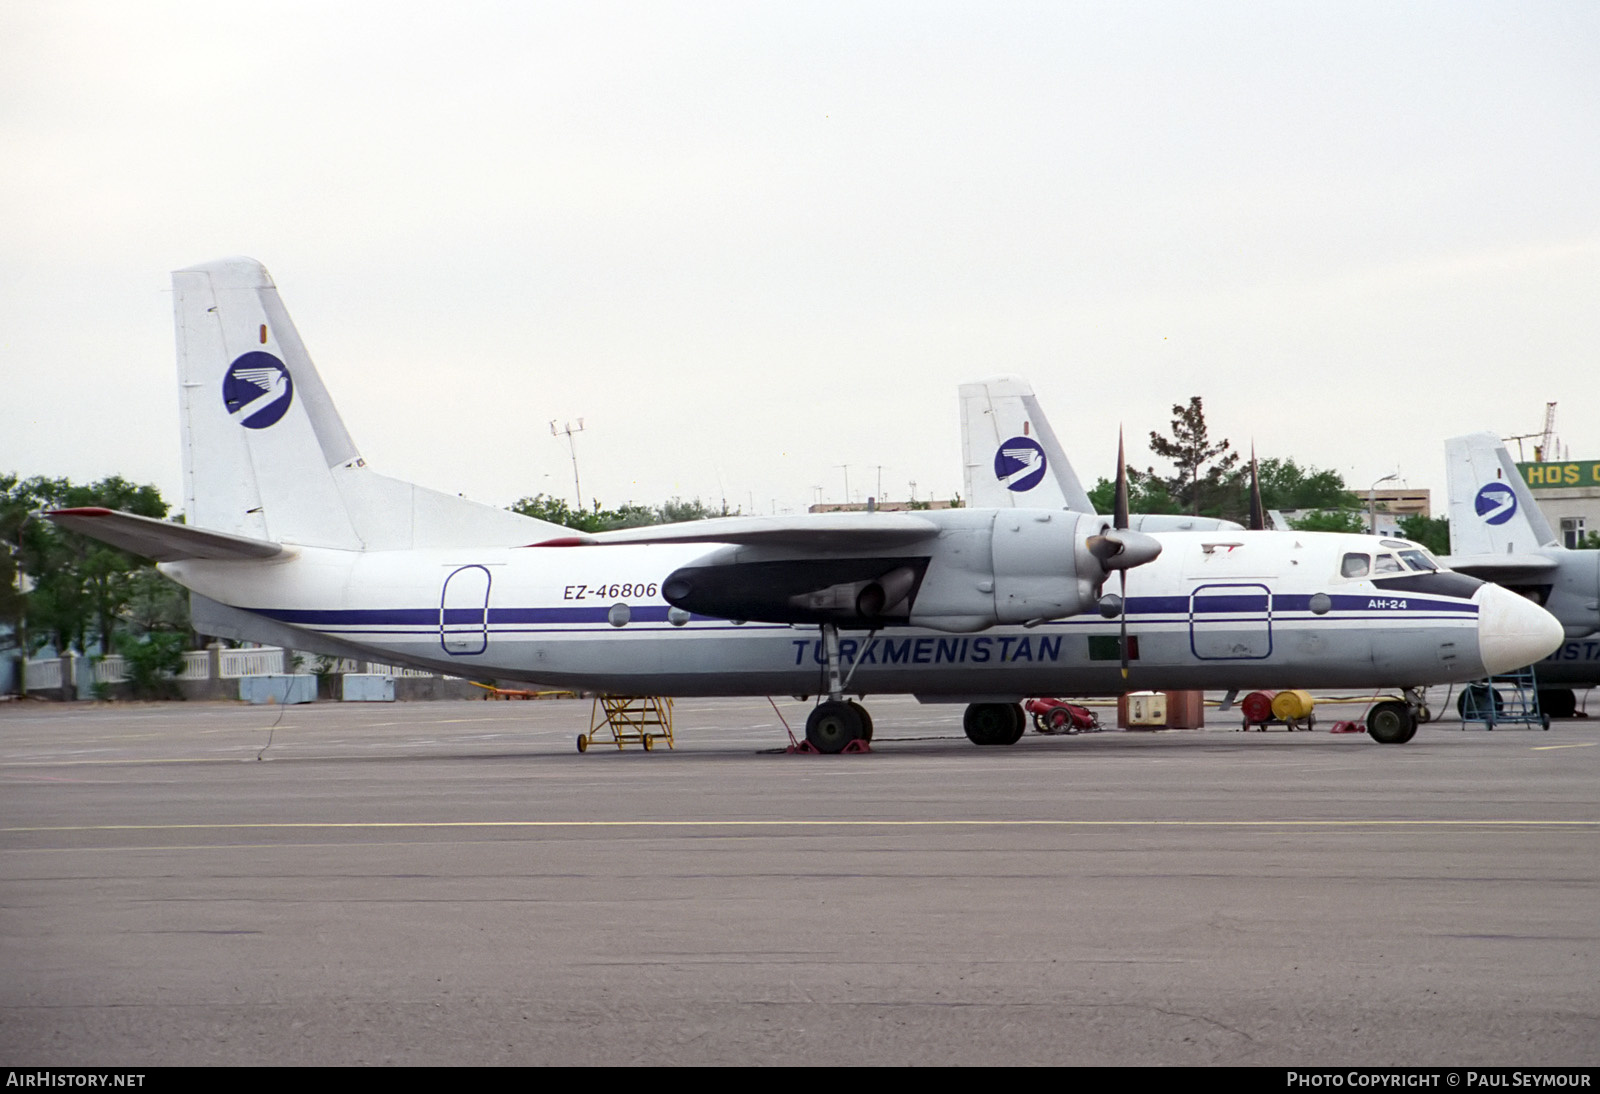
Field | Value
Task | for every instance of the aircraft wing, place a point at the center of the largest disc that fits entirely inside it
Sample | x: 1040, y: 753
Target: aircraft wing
x: 161, y: 540
x: 1492, y: 567
x: 821, y: 531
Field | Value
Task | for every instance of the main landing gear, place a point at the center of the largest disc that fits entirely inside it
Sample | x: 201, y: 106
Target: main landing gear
x: 838, y: 724
x: 994, y: 723
x: 1394, y: 722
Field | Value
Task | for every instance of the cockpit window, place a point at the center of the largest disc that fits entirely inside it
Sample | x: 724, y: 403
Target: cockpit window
x: 1388, y: 564
x: 1419, y: 560
x: 1355, y: 566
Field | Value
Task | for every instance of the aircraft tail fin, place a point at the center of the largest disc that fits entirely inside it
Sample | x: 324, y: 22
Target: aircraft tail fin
x: 1492, y: 511
x: 1010, y: 456
x: 265, y: 454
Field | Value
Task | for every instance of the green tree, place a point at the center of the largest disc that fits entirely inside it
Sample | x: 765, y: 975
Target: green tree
x: 81, y: 587
x: 1146, y: 494
x: 557, y: 511
x: 14, y: 510
x: 678, y: 511
x: 1287, y: 485
x: 1330, y: 521
x: 1201, y: 466
x: 1432, y: 532
x: 153, y: 662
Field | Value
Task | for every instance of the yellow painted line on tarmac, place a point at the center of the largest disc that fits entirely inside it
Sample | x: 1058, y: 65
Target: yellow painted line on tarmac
x: 1549, y: 748
x: 650, y: 824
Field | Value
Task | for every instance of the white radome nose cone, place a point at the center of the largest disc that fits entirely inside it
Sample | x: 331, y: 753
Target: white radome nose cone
x: 1513, y: 631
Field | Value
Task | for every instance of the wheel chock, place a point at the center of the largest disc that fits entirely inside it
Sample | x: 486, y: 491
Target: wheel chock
x: 806, y: 748
x: 1348, y: 727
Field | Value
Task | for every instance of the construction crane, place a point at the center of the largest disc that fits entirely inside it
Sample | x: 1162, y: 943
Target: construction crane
x: 1545, y: 449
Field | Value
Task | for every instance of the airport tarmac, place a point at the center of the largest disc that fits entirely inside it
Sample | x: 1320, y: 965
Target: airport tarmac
x: 453, y: 883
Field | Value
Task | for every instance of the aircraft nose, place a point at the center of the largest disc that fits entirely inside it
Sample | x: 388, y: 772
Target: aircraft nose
x: 1513, y: 631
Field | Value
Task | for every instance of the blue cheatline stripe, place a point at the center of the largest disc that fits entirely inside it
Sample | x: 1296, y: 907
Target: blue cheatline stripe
x: 1177, y: 608
x: 429, y: 617
x: 1292, y: 602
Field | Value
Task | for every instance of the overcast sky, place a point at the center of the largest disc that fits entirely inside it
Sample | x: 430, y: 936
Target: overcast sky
x: 748, y: 243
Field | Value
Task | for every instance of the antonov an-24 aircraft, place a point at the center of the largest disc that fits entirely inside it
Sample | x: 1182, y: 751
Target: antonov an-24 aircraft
x: 292, y: 539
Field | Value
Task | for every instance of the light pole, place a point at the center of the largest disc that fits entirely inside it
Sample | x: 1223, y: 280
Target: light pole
x: 1372, y: 503
x: 577, y: 487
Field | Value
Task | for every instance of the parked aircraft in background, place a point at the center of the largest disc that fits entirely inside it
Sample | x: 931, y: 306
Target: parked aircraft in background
x: 1497, y: 533
x: 1011, y: 459
x: 292, y: 539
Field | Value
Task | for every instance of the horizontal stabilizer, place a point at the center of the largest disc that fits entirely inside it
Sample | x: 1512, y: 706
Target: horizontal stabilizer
x: 161, y: 540
x: 1490, y: 567
x: 824, y: 531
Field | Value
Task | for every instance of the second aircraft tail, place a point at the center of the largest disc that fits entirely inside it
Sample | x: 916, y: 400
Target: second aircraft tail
x: 1492, y: 511
x: 1010, y: 456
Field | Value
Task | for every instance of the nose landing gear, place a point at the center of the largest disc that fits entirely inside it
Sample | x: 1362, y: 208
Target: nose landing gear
x: 837, y: 724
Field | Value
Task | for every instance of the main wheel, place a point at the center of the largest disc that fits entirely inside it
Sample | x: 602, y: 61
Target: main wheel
x: 1391, y: 723
x: 1019, y: 723
x: 1558, y: 702
x: 832, y: 725
x: 994, y: 723
x: 866, y: 720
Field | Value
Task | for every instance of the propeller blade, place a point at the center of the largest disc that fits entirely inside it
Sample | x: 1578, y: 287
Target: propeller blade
x: 1122, y: 577
x: 1258, y: 513
x: 1119, y: 513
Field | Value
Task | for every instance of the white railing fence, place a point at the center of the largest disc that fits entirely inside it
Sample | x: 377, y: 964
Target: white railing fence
x: 264, y: 661
x: 45, y: 673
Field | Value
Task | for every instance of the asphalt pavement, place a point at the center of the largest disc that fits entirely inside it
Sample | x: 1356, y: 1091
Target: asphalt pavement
x: 453, y: 883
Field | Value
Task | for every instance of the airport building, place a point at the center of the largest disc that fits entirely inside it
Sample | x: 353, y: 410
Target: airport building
x: 1568, y: 493
x: 1383, y: 508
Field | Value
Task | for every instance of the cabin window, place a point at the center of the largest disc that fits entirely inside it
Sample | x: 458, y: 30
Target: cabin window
x: 1388, y: 564
x: 1355, y: 566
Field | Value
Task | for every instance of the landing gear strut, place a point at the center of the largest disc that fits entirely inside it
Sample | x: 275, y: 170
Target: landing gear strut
x: 836, y: 723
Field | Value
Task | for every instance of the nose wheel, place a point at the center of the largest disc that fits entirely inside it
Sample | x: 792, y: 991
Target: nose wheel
x: 837, y: 724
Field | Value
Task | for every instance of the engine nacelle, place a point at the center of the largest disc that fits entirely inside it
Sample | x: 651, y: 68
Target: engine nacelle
x: 1038, y: 565
x: 983, y: 569
x: 1042, y: 565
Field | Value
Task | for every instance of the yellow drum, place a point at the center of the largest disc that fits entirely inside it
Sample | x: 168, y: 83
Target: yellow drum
x: 1292, y: 705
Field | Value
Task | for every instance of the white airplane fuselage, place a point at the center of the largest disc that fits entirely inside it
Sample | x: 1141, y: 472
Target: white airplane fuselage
x: 290, y: 538
x: 1215, y: 610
